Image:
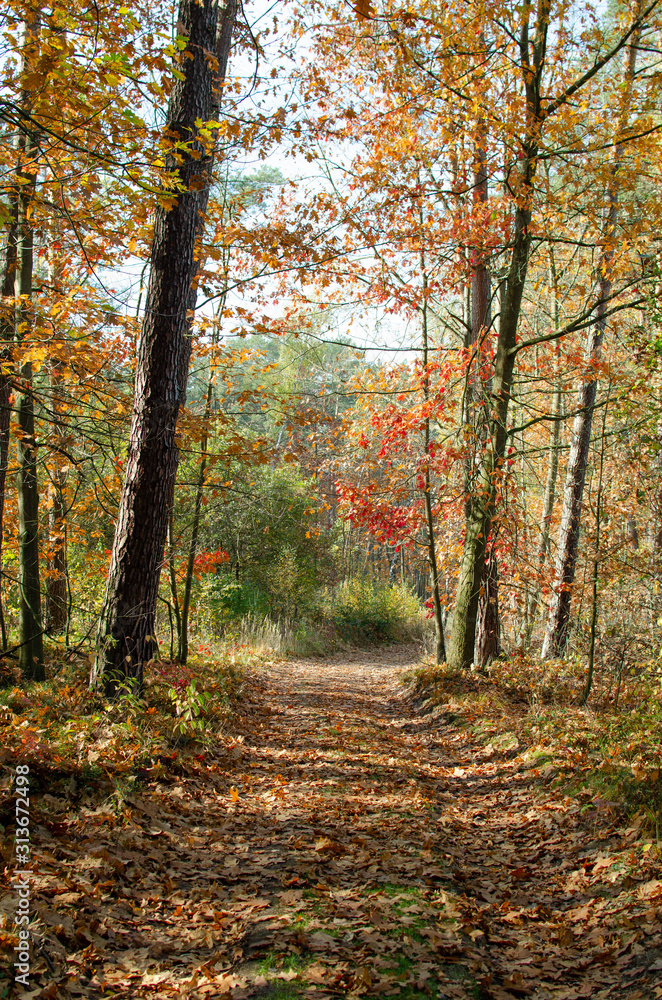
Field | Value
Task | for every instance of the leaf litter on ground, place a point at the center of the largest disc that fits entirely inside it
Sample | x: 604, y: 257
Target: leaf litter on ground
x: 335, y: 841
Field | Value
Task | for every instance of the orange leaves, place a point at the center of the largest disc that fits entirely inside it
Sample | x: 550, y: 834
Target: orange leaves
x: 207, y: 562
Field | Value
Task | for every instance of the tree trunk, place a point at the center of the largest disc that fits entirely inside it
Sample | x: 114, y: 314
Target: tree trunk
x: 487, y: 642
x: 547, y: 510
x: 57, y: 580
x: 195, y: 528
x: 57, y: 586
x: 596, y: 566
x: 550, y: 485
x: 126, y: 630
x: 7, y: 320
x: 31, y: 652
x: 439, y: 641
x: 481, y: 500
x: 173, y: 585
x: 488, y: 627
x: 31, y: 646
x: 657, y: 506
x: 556, y: 633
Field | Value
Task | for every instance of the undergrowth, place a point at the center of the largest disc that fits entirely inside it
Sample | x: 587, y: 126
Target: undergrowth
x: 62, y: 728
x: 357, y: 613
x: 608, y: 753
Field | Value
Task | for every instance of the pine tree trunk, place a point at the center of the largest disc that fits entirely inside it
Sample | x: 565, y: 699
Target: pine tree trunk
x: 556, y: 633
x: 126, y: 631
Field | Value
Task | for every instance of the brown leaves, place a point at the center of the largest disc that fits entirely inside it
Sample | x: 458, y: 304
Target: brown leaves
x: 364, y: 9
x: 380, y: 872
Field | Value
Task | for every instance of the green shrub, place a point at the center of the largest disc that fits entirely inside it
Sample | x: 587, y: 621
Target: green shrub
x: 367, y: 613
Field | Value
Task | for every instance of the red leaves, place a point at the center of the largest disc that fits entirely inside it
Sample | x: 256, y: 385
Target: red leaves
x: 208, y: 562
x: 397, y: 405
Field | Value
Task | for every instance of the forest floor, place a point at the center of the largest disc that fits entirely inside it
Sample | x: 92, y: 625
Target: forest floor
x: 344, y: 842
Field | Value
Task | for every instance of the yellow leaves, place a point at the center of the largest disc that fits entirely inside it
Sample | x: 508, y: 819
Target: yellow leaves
x: 35, y: 355
x: 167, y: 201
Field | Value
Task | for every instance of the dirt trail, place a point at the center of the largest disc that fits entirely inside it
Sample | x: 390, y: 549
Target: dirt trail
x: 345, y: 845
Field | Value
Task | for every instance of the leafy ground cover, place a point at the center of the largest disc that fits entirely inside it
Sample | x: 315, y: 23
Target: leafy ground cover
x: 338, y: 834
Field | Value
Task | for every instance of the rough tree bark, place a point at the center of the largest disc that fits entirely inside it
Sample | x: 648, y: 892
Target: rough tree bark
x: 126, y: 630
x: 556, y: 632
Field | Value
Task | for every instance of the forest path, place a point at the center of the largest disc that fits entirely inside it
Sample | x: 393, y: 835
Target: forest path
x: 338, y: 843
x: 412, y: 863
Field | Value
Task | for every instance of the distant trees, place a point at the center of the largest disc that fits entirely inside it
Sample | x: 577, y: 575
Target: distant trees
x: 482, y: 206
x: 458, y: 120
